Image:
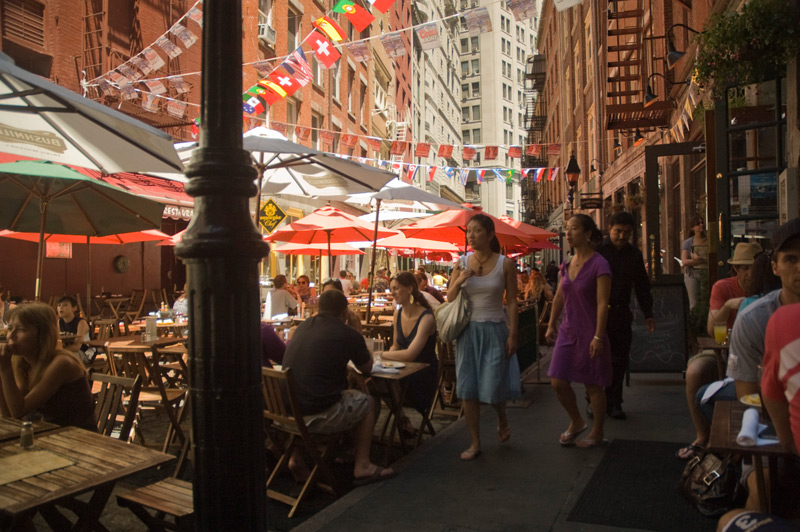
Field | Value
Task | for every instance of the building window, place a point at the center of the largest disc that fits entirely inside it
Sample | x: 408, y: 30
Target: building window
x: 465, y: 90
x: 476, y: 89
x: 465, y: 114
x: 364, y: 104
x: 351, y: 93
x: 476, y: 112
x: 476, y: 138
x: 465, y: 67
x: 476, y: 66
x: 316, y: 125
x: 316, y: 68
x: 23, y: 20
x: 465, y: 136
x: 464, y: 46
x: 337, y: 81
x: 474, y: 44
x: 291, y: 116
x: 292, y: 29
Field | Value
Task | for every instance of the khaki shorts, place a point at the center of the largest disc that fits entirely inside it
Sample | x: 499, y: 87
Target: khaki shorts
x: 344, y: 415
x: 707, y: 357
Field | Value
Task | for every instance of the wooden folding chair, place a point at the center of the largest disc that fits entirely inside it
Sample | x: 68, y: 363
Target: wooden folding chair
x: 132, y: 361
x: 171, y: 497
x: 445, y: 400
x: 280, y: 407
x: 133, y: 311
x: 117, y: 400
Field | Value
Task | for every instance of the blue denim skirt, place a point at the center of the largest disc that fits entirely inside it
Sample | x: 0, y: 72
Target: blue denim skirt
x: 482, y: 369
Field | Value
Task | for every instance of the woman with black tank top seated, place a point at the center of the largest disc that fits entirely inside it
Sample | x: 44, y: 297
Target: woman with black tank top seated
x: 414, y: 341
x: 36, y: 377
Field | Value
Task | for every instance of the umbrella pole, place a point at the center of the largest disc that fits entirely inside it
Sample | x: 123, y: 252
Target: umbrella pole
x: 372, y: 261
x: 89, y: 279
x: 330, y: 262
x: 40, y: 254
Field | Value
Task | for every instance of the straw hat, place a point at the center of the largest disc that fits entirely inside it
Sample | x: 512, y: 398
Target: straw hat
x: 745, y: 253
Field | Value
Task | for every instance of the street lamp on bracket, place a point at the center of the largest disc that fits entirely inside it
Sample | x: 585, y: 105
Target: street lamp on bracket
x: 573, y: 173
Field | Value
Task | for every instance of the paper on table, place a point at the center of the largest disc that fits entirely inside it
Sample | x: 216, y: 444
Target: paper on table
x: 748, y: 435
x: 378, y: 368
x: 29, y: 464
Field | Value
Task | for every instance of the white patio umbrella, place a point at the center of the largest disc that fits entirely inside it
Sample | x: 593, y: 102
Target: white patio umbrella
x: 42, y: 120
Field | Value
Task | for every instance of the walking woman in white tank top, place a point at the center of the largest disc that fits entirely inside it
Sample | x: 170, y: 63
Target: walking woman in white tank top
x: 485, y: 346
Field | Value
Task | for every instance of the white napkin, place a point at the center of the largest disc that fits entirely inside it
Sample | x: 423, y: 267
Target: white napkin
x: 378, y: 368
x: 713, y: 388
x: 751, y: 428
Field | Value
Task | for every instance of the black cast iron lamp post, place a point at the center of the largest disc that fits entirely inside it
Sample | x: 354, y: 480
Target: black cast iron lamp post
x: 573, y: 173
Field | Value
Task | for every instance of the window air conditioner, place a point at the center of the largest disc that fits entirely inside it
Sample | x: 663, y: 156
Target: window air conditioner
x: 266, y: 33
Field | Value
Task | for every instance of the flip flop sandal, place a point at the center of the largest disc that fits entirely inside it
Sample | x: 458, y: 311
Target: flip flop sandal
x: 377, y: 476
x: 503, y: 435
x: 568, y: 438
x: 591, y: 444
x: 470, y: 454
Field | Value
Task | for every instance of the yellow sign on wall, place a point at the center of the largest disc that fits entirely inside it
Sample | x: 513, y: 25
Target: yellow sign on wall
x: 270, y: 216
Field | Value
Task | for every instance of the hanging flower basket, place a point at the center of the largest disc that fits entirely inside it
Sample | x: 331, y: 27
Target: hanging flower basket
x: 747, y: 46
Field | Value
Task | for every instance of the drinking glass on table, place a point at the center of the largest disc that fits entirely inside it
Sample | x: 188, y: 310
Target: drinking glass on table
x: 720, y: 333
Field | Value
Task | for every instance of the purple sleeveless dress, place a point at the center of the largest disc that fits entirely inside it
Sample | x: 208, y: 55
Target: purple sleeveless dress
x: 571, y: 361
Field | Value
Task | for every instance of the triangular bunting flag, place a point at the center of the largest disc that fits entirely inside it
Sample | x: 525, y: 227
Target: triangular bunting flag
x: 464, y: 176
x: 330, y: 28
x: 431, y: 173
x: 297, y: 65
x: 480, y: 175
x: 359, y: 17
x: 412, y: 170
x: 381, y: 5
x: 324, y: 50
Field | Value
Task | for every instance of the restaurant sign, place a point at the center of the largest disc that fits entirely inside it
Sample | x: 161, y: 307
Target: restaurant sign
x: 270, y: 216
x: 177, y: 212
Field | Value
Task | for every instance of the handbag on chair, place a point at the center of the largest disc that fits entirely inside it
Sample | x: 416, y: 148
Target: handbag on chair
x: 711, y: 483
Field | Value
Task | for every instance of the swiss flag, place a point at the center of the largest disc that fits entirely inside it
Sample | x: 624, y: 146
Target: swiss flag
x: 324, y: 50
x: 490, y: 153
x: 285, y: 81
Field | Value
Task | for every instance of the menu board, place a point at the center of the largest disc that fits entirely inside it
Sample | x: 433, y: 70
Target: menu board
x: 665, y: 349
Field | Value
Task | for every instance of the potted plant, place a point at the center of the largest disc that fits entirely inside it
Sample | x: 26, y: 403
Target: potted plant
x: 748, y: 46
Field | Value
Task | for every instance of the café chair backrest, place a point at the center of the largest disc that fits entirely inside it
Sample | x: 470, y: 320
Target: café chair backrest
x: 106, y: 328
x: 135, y: 305
x: 281, y: 408
x: 117, y: 401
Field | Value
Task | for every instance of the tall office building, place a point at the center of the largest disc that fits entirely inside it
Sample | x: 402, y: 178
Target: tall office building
x: 492, y: 67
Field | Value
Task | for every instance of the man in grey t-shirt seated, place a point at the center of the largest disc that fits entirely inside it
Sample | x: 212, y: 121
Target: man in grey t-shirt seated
x: 318, y: 355
x: 747, y: 337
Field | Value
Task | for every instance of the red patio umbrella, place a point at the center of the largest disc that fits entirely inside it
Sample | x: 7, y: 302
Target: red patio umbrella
x: 528, y: 229
x: 147, y: 235
x: 314, y: 249
x: 328, y: 225
x: 451, y: 226
x: 401, y: 241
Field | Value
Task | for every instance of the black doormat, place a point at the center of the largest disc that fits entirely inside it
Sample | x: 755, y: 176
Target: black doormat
x: 634, y: 486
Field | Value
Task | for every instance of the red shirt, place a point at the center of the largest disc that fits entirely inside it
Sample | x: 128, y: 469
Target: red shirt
x: 723, y: 290
x: 781, y: 380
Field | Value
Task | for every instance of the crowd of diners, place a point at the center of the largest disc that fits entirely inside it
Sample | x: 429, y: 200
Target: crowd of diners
x: 760, y: 303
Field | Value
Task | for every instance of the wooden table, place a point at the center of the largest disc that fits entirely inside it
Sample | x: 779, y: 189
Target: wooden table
x: 725, y: 427
x: 10, y: 427
x: 113, y: 303
x: 165, y: 328
x: 98, y: 463
x: 396, y: 384
x: 720, y: 350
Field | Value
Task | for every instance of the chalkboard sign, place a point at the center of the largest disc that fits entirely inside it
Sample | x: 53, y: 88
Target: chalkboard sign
x: 665, y: 349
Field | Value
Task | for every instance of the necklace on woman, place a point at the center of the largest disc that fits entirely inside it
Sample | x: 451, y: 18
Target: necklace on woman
x: 481, y: 262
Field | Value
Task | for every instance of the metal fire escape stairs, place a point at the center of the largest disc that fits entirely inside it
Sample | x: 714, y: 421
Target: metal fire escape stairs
x: 625, y: 74
x: 535, y: 121
x: 94, y: 54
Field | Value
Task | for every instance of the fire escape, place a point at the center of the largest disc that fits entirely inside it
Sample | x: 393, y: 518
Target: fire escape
x: 626, y: 74
x: 94, y: 56
x: 536, y: 212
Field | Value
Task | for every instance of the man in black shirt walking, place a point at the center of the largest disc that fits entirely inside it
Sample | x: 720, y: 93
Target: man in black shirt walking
x: 627, y: 273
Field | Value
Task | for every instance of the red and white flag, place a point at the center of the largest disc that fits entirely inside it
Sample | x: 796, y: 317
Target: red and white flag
x: 285, y: 82
x: 445, y: 150
x: 327, y: 137
x: 324, y: 50
x: 375, y: 143
x: 490, y: 153
x: 398, y: 147
x: 412, y: 169
x: 533, y: 150
x: 431, y: 172
x: 515, y: 151
x: 302, y: 133
x: 349, y: 140
x: 468, y: 153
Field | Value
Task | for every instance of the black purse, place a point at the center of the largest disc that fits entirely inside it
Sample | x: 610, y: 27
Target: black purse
x: 711, y: 483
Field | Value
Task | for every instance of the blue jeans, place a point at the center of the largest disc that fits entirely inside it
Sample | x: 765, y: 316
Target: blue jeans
x: 726, y: 393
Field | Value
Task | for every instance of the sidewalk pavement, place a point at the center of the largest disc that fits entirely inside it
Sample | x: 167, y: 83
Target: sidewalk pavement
x: 527, y: 484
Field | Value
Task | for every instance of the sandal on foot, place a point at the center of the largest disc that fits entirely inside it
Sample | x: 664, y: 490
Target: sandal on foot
x: 504, y: 434
x: 591, y: 444
x: 568, y: 437
x: 688, y: 452
x: 377, y: 476
x: 470, y: 454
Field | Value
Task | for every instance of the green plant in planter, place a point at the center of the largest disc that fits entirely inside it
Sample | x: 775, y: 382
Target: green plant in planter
x: 747, y: 46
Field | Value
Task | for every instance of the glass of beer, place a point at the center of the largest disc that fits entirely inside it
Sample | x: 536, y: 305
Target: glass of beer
x: 720, y: 333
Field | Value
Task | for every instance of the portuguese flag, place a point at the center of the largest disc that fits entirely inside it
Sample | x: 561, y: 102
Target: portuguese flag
x: 359, y: 17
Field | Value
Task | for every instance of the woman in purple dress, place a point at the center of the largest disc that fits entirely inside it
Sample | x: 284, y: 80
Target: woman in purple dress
x: 582, y: 353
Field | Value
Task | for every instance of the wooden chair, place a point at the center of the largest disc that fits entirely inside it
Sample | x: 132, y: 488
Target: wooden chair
x: 171, y: 497
x: 117, y: 400
x: 155, y: 395
x: 158, y: 296
x: 106, y: 328
x: 133, y: 311
x: 445, y: 400
x: 280, y: 407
